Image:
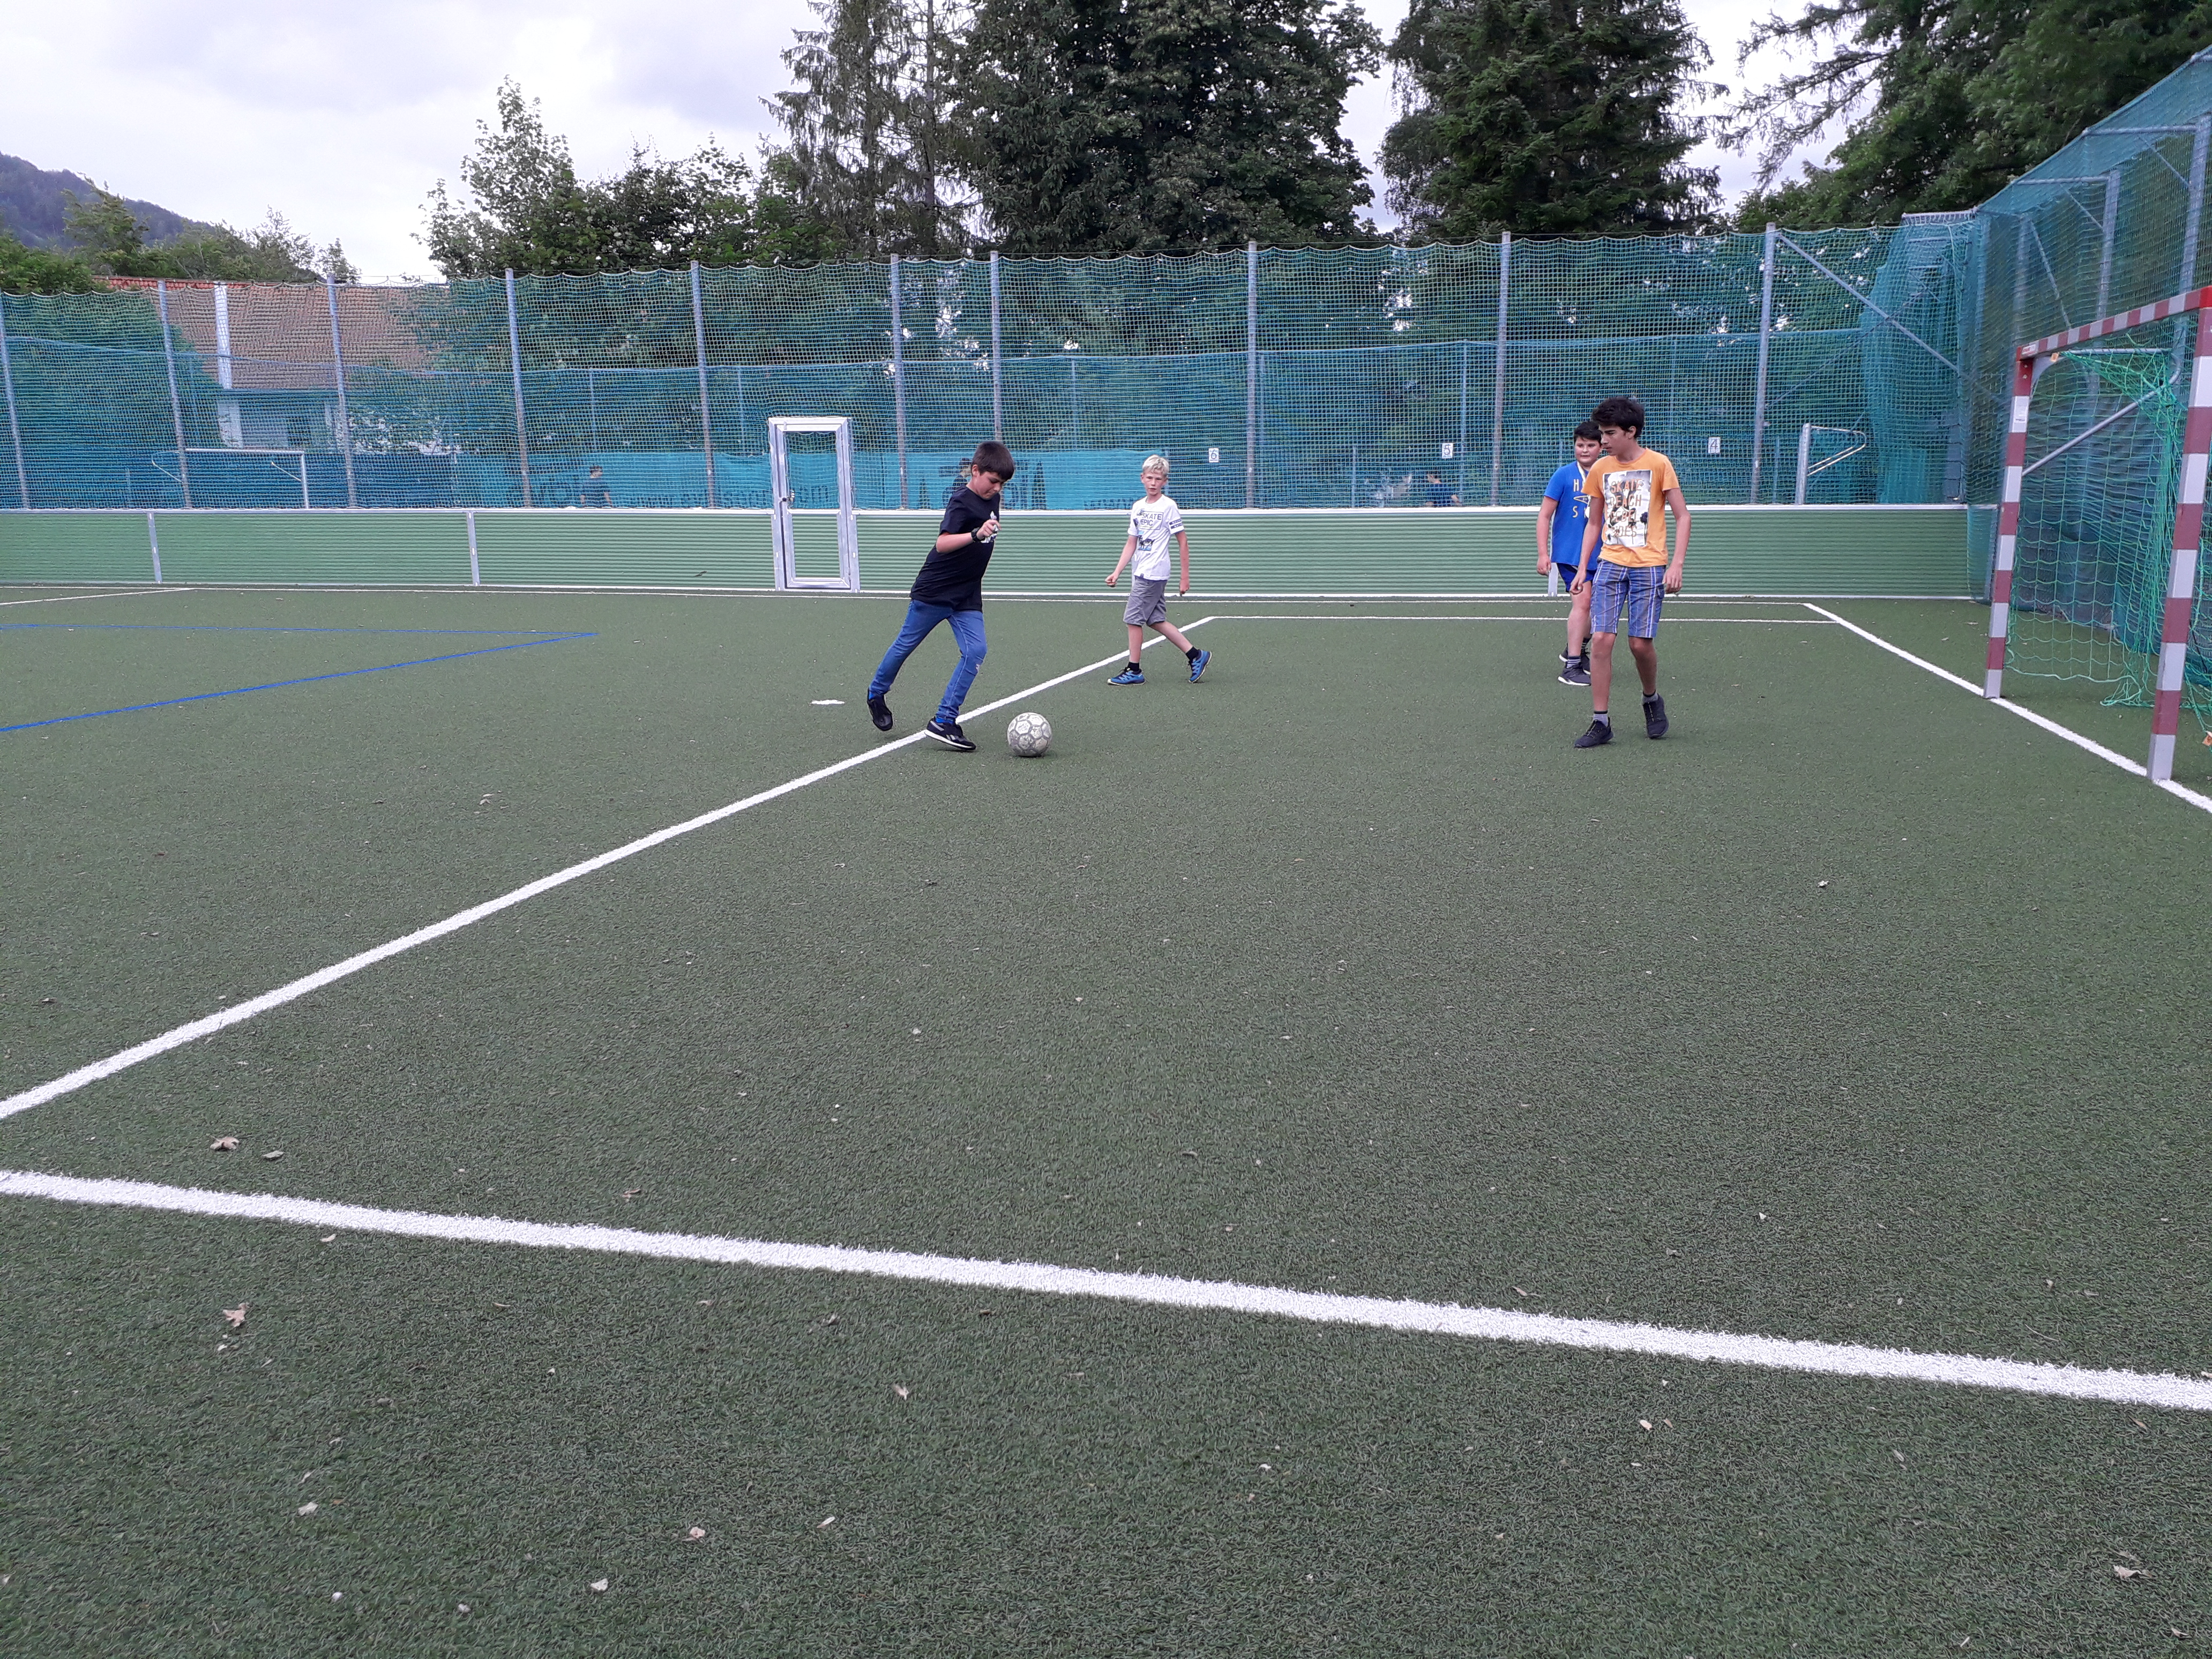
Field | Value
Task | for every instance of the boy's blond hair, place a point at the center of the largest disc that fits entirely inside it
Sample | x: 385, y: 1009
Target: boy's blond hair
x: 1155, y: 464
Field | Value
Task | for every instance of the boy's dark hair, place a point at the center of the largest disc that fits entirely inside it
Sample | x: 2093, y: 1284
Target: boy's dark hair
x: 1622, y: 412
x: 1589, y: 434
x: 993, y: 457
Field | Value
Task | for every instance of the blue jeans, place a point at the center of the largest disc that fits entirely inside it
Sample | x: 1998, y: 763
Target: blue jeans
x: 921, y: 621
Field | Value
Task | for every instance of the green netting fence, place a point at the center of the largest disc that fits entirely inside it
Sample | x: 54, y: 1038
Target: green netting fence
x: 1352, y: 377
x: 1854, y: 365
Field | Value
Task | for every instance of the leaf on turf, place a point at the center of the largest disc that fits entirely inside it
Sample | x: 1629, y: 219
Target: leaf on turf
x: 629, y: 1192
x: 1644, y: 1424
x: 226, y: 1143
x: 823, y: 1522
x: 305, y: 1509
x: 236, y: 1316
x: 1898, y: 1455
x: 271, y: 1157
x: 598, y: 1586
x: 900, y: 1389
x: 2130, y: 1572
x: 697, y: 1533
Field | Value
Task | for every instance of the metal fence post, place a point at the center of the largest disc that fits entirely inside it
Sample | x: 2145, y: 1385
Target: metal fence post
x: 1766, y: 334
x: 2195, y: 222
x: 2111, y: 228
x: 898, y: 375
x: 15, y: 432
x: 345, y: 417
x: 1251, y: 374
x: 998, y: 402
x: 706, y: 419
x: 1497, y: 391
x: 521, y: 418
x: 1460, y: 451
x: 176, y: 408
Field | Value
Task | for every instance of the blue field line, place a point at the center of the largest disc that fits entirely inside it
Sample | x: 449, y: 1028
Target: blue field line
x: 227, y: 628
x: 305, y: 679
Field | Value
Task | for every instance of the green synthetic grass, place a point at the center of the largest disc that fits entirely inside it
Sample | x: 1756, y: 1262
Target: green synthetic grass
x: 1578, y: 1032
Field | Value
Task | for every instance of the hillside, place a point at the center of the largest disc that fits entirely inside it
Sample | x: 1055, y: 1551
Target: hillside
x: 33, y: 201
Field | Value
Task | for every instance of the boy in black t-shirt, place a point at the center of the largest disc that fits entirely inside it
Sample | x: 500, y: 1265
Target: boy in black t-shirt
x: 950, y: 589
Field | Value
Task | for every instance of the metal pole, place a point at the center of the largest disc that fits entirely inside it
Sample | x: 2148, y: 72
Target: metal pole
x: 997, y: 403
x: 2105, y: 259
x: 1460, y: 453
x: 2188, y: 536
x: 1804, y: 458
x: 16, y: 432
x: 2000, y: 567
x: 1765, y: 336
x: 521, y: 418
x: 176, y: 408
x: 706, y: 418
x: 1497, y: 391
x: 2196, y: 221
x: 898, y: 376
x: 1251, y: 374
x: 345, y: 418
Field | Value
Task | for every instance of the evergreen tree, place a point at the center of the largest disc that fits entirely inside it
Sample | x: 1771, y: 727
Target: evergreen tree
x: 869, y: 149
x: 1942, y: 105
x: 1557, y: 118
x: 1126, y: 126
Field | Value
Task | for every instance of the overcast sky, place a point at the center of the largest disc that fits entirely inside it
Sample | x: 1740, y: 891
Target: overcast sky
x: 342, y: 119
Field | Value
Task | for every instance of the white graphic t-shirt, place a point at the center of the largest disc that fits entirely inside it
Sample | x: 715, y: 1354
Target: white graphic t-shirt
x: 1155, y: 524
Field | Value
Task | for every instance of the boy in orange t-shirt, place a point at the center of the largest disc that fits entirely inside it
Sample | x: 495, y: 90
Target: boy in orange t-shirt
x: 1630, y: 488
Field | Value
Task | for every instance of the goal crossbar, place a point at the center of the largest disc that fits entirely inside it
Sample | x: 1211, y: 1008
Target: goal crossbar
x: 2030, y: 359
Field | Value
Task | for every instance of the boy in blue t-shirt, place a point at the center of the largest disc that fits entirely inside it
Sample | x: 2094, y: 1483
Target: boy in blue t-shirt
x: 1560, y: 523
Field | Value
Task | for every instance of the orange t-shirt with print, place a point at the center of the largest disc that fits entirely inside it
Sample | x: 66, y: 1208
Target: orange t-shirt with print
x: 1628, y: 499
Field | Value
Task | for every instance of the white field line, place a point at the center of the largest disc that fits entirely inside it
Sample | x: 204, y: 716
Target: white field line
x: 1280, y: 616
x: 2203, y: 803
x: 131, y: 593
x: 209, y: 1024
x: 1443, y: 1319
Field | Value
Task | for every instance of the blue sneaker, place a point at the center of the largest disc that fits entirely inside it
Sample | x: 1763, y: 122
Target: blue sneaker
x: 1198, y: 663
x: 1132, y: 675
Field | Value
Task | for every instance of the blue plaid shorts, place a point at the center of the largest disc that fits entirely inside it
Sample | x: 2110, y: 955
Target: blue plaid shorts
x: 1637, y: 589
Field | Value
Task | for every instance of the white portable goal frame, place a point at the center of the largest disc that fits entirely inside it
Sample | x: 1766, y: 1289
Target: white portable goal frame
x: 780, y: 533
x: 2029, y: 362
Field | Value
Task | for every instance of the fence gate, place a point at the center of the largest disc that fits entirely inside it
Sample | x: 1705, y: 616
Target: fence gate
x: 816, y: 539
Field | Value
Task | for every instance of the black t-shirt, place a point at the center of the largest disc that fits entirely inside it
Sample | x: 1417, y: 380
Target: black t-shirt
x: 955, y: 579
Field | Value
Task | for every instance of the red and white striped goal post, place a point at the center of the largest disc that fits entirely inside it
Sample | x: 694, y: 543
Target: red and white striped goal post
x: 2029, y: 362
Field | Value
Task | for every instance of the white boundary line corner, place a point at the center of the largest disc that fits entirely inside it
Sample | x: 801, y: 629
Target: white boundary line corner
x: 2203, y: 803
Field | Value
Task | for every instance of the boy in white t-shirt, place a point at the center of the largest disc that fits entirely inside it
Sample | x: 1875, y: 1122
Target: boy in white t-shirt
x: 1151, y: 522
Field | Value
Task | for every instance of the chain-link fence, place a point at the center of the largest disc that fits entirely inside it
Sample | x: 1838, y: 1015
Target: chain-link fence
x: 1841, y: 366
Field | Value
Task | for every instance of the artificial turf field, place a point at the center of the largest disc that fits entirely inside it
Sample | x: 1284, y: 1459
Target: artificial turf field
x: 1340, y: 970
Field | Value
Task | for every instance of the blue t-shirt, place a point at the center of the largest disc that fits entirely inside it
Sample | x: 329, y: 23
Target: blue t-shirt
x: 1569, y: 520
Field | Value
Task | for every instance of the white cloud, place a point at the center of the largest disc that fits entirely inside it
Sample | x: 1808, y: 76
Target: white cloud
x: 341, y: 118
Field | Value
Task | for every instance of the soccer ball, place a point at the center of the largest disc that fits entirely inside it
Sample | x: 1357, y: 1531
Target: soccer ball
x: 1029, y: 734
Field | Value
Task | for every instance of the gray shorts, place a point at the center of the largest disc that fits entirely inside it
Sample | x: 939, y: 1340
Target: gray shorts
x: 1148, y: 602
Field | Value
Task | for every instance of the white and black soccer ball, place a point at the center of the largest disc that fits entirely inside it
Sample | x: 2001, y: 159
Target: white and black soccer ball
x: 1029, y: 734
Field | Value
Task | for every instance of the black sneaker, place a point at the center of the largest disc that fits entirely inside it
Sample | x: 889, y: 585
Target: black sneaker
x: 1654, y: 717
x: 1573, y: 672
x: 949, y: 734
x: 880, y: 712
x: 1599, y: 731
